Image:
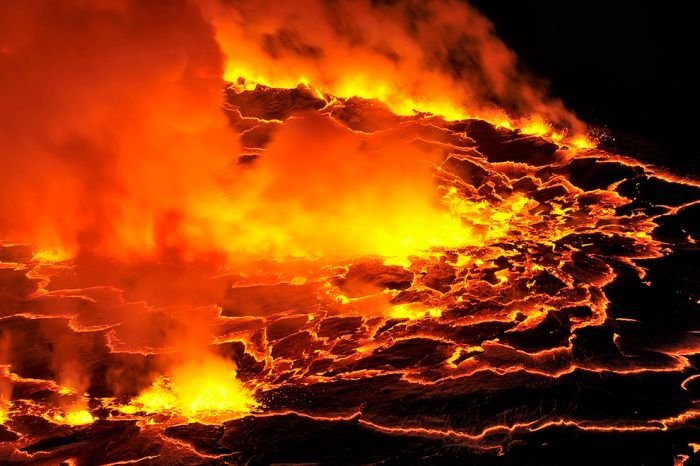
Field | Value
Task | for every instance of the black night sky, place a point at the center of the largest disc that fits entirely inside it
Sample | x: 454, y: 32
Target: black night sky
x: 622, y: 65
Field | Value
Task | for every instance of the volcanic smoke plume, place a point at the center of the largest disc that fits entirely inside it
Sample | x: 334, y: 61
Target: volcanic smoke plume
x: 259, y: 232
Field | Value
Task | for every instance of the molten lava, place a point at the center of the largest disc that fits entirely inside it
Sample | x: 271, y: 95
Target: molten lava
x: 202, y: 390
x: 250, y: 231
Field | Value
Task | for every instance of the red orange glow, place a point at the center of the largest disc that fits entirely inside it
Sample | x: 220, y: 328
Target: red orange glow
x: 218, y: 211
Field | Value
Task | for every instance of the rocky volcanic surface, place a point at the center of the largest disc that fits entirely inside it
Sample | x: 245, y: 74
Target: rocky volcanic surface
x: 571, y: 339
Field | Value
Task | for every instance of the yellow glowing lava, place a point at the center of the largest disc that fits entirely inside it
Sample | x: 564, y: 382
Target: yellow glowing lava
x: 582, y: 142
x: 413, y: 311
x: 74, y: 418
x: 536, y: 127
x: 51, y: 255
x: 201, y: 390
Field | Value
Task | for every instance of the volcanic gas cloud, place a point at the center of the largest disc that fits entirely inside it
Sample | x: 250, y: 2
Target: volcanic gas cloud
x: 259, y: 232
